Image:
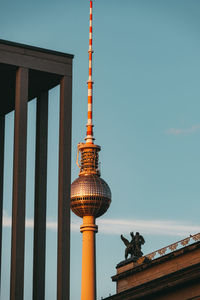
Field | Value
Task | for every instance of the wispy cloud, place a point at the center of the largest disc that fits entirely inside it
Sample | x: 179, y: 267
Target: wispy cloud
x: 177, y: 131
x: 118, y: 226
x: 156, y: 227
x: 50, y: 224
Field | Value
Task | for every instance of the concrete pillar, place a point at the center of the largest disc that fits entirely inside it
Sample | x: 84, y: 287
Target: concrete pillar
x: 63, y: 254
x: 19, y: 186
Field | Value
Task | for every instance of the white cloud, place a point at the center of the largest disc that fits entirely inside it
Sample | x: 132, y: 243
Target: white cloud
x: 156, y: 227
x: 177, y: 131
x: 7, y: 221
x: 118, y: 226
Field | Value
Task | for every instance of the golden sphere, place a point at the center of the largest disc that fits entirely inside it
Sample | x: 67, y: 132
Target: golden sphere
x: 90, y: 196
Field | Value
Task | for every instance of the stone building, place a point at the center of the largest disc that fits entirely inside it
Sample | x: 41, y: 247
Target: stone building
x: 170, y: 273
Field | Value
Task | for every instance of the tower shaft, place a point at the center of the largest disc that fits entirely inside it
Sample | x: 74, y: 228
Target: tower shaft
x: 88, y: 280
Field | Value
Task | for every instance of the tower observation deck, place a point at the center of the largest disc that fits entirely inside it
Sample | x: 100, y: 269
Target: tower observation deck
x: 90, y: 194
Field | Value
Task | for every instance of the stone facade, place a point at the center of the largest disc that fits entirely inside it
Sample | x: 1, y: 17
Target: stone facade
x: 174, y: 276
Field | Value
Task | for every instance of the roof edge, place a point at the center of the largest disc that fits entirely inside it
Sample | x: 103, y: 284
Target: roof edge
x: 34, y: 48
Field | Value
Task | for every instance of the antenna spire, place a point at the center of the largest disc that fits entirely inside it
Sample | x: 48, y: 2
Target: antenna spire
x: 89, y: 136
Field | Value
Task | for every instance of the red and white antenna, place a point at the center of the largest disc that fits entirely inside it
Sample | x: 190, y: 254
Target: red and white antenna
x: 89, y: 137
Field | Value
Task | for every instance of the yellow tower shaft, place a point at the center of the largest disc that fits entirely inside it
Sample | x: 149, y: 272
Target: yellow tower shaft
x: 88, y: 283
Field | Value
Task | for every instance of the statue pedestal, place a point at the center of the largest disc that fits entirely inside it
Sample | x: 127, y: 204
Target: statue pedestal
x: 135, y: 261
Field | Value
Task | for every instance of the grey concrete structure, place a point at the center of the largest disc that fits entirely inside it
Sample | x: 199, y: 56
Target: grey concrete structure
x: 28, y: 72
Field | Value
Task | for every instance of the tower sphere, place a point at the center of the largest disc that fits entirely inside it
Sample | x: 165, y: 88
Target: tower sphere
x: 90, y: 196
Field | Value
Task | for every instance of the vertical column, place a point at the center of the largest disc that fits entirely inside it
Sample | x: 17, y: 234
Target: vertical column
x: 40, y: 198
x: 64, y: 184
x: 19, y: 186
x: 2, y: 128
x: 88, y: 278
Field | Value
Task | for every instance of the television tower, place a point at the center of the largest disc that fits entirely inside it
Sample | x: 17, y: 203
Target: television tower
x: 90, y: 194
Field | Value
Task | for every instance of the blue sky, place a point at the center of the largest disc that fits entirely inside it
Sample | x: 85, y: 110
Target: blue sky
x: 146, y: 116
